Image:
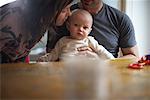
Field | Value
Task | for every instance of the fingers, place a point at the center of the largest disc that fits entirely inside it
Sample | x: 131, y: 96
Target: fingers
x: 89, y: 54
x: 85, y: 48
x: 43, y: 58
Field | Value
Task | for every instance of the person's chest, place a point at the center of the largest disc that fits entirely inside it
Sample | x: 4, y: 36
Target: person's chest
x: 105, y: 31
x: 72, y: 45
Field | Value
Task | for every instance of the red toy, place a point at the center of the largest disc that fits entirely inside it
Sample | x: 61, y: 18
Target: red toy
x: 145, y: 60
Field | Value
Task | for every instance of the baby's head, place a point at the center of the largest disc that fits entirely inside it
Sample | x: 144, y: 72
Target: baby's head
x: 80, y: 24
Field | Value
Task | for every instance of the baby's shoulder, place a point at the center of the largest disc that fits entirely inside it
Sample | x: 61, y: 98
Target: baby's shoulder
x: 91, y: 39
x: 65, y: 39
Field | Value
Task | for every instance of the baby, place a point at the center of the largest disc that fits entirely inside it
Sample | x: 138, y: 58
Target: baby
x: 79, y: 25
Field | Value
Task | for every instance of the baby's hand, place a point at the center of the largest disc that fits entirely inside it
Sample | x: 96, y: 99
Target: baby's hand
x: 43, y: 59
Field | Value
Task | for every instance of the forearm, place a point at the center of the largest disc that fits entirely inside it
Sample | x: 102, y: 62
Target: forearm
x: 129, y: 56
x: 47, y: 58
x: 131, y: 52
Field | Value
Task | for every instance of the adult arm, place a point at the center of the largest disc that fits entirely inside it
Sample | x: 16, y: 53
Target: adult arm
x: 127, y: 41
x: 130, y: 52
x: 13, y: 35
x: 54, y: 53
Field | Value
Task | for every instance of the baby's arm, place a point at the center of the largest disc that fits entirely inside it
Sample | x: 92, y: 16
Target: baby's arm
x: 103, y: 53
x: 53, y: 55
x: 100, y: 50
x: 46, y: 58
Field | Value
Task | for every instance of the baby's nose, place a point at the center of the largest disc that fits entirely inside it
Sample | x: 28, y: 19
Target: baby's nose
x: 81, y: 28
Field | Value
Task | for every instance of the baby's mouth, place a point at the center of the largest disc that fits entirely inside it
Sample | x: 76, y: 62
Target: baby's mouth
x: 80, y: 33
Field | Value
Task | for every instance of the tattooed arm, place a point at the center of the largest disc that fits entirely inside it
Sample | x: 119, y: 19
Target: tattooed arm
x: 12, y: 40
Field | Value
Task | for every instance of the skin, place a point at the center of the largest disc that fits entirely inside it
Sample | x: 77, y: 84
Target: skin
x: 80, y: 24
x: 94, y: 6
x: 64, y: 14
x: 62, y: 17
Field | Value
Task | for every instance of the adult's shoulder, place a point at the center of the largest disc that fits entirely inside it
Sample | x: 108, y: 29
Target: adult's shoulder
x: 12, y: 9
x: 113, y: 10
x: 92, y: 39
x: 12, y: 20
x: 116, y: 15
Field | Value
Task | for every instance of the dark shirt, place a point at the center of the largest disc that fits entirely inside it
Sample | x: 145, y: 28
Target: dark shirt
x: 112, y: 29
x: 54, y: 34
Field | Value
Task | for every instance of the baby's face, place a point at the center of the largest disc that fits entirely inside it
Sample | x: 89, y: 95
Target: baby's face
x: 80, y: 27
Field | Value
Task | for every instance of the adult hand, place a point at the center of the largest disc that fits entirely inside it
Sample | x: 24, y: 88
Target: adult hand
x: 84, y: 48
x: 87, y: 52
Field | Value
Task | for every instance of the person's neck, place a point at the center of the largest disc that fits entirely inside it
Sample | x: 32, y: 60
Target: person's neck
x: 96, y: 9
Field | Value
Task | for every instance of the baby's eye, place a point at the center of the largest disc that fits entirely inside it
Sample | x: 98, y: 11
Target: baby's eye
x: 75, y: 24
x: 85, y: 27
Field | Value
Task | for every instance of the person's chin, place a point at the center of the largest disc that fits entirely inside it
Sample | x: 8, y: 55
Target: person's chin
x: 80, y: 38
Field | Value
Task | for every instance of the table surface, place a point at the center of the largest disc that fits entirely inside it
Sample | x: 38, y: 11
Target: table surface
x: 78, y: 80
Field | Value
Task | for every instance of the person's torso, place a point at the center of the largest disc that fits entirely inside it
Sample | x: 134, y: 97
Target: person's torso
x: 70, y: 45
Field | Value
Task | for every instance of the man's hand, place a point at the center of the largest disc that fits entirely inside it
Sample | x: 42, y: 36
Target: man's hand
x: 87, y: 51
x: 85, y: 48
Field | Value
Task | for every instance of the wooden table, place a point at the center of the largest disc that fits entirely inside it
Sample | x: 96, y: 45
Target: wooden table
x: 79, y: 80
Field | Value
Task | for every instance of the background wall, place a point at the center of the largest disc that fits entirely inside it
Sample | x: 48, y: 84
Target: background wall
x: 2, y: 2
x: 139, y: 12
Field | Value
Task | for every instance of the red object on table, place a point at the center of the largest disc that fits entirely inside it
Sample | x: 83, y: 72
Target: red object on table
x: 136, y: 66
x: 145, y: 60
x: 27, y: 59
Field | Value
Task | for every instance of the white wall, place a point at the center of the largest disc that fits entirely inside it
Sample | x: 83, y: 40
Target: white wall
x: 138, y: 11
x: 2, y: 2
x: 113, y: 3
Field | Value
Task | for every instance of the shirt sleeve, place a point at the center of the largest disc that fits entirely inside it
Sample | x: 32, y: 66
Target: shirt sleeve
x: 54, y: 53
x: 99, y: 49
x: 127, y: 34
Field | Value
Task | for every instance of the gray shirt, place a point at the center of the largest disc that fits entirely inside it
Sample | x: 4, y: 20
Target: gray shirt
x: 113, y: 29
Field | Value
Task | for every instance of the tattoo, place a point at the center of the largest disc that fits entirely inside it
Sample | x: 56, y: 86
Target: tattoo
x: 15, y: 41
x: 7, y: 10
x: 4, y: 12
x: 7, y: 29
x: 4, y: 38
x: 2, y: 16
